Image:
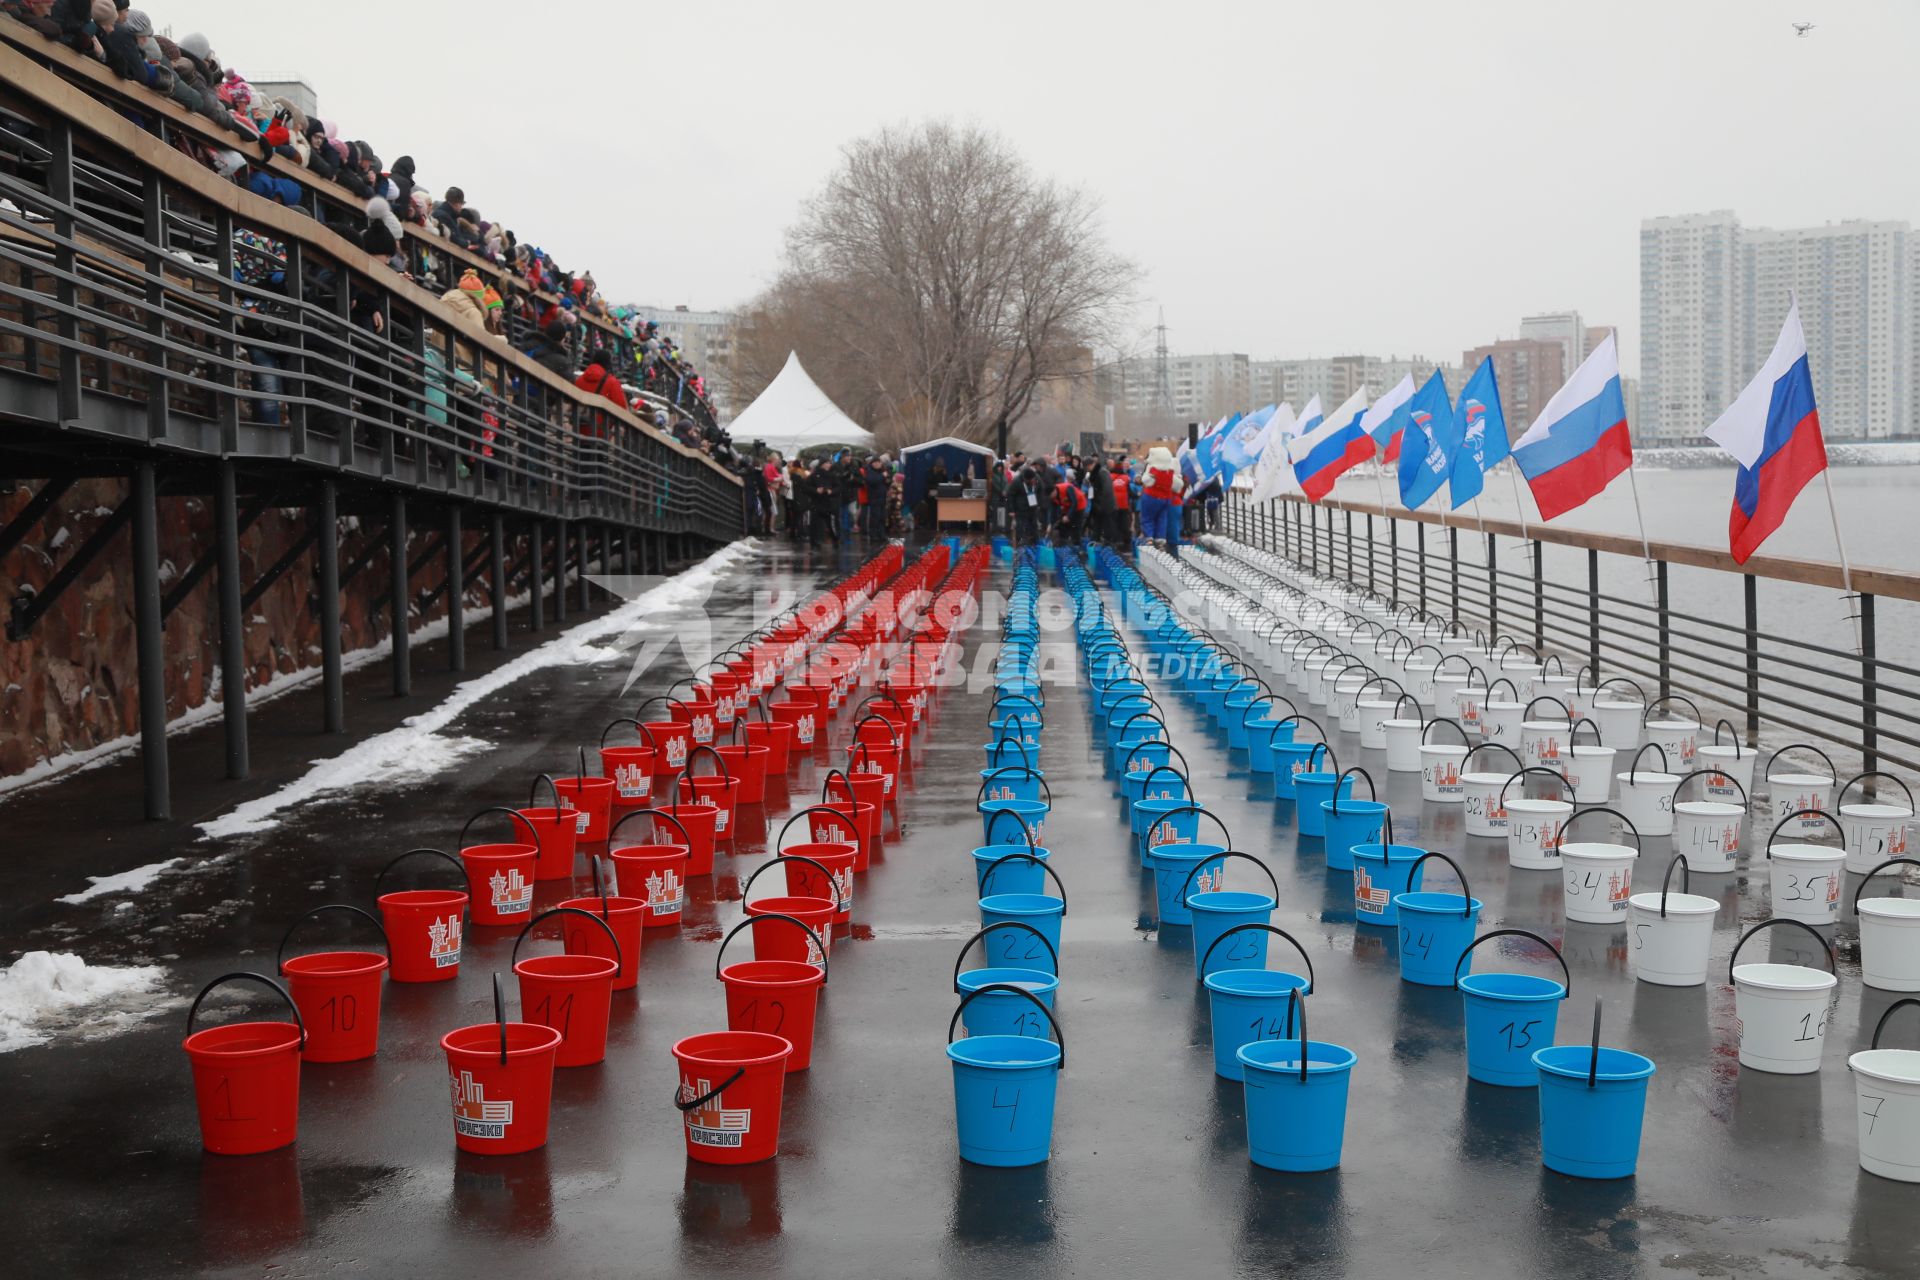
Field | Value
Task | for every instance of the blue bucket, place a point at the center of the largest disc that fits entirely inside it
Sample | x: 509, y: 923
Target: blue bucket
x: 1380, y: 872
x: 1433, y: 933
x: 1218, y: 911
x: 1009, y: 877
x: 1152, y: 782
x: 1290, y: 760
x: 1001, y: 1013
x: 1011, y: 782
x: 1296, y: 1122
x: 1178, y: 867
x: 1006, y: 831
x: 1009, y: 751
x: 1037, y: 910
x: 1168, y: 821
x: 1151, y: 736
x: 1260, y: 741
x: 1348, y: 823
x: 1246, y: 1005
x: 1003, y: 1091
x: 1312, y: 790
x: 1019, y: 946
x: 1591, y: 1131
x: 1018, y: 730
x: 1509, y: 1016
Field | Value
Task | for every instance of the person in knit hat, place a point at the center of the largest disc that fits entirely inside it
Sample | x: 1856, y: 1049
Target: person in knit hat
x: 383, y: 234
x: 467, y: 299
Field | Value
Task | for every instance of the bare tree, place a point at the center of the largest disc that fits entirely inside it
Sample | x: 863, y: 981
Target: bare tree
x: 935, y: 284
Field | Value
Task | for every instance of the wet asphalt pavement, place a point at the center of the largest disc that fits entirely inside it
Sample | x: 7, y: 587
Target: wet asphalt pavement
x: 1741, y: 1173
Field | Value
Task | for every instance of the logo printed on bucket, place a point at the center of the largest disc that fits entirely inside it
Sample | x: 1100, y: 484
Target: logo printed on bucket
x: 665, y: 892
x: 803, y: 730
x: 711, y: 1125
x: 677, y: 752
x: 473, y: 1115
x: 631, y: 781
x: 1163, y: 833
x: 1366, y: 895
x: 443, y: 942
x: 510, y: 894
x: 568, y: 806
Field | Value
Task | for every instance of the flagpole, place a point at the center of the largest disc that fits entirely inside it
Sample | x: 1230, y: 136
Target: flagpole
x: 1846, y: 570
x: 1478, y: 520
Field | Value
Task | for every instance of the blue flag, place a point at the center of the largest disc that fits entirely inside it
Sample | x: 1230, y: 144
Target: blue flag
x: 1237, y: 452
x: 1482, y: 430
x: 1429, y: 442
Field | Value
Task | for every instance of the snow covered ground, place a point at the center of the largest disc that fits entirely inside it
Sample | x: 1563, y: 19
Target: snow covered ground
x: 46, y: 993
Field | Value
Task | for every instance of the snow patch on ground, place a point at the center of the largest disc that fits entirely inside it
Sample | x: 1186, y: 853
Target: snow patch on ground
x: 126, y: 882
x: 418, y: 750
x: 46, y: 993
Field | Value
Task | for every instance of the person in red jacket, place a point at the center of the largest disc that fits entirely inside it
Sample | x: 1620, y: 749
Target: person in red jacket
x: 1070, y: 500
x: 1122, y: 532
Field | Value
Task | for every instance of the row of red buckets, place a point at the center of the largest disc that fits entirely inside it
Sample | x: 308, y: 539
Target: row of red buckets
x: 246, y: 1074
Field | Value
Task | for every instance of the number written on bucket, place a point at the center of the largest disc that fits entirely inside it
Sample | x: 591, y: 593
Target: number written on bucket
x: 1519, y: 1036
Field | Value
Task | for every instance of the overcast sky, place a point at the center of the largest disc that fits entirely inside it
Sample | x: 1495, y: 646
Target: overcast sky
x: 1295, y: 179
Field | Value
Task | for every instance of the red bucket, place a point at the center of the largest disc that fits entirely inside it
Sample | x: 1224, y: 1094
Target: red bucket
x: 881, y: 730
x: 867, y: 791
x: 864, y: 758
x: 631, y: 767
x: 729, y: 1094
x: 773, y: 941
x: 818, y: 871
x: 776, y: 997
x: 777, y: 737
x: 337, y: 993
x: 246, y: 1077
x: 913, y: 694
x: 672, y: 739
x: 500, y: 878
x: 699, y: 715
x: 657, y: 875
x: 623, y: 917
x: 748, y: 765
x: 804, y: 722
x: 697, y: 822
x: 558, y: 830
x: 501, y: 1075
x: 423, y: 926
x: 572, y: 993
x: 727, y: 697
x: 591, y: 799
x: 723, y: 793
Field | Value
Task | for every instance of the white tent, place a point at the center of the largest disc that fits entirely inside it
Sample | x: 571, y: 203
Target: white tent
x: 793, y: 414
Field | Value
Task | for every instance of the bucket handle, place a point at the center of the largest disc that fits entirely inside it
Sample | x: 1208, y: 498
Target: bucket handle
x: 1711, y: 773
x: 1442, y: 666
x: 1873, y: 773
x: 1686, y: 879
x: 1646, y: 713
x: 1517, y: 933
x: 1593, y: 1053
x: 411, y: 853
x: 1767, y: 924
x: 1002, y: 924
x: 1050, y: 873
x: 795, y: 921
x: 719, y: 762
x: 1466, y: 894
x: 1314, y: 755
x: 1493, y: 746
x: 1868, y: 878
x: 1157, y: 770
x: 1732, y: 732
x: 1613, y: 680
x: 618, y: 960
x: 1296, y: 1001
x: 1881, y: 1025
x: 1226, y: 837
x: 644, y: 731
x: 826, y: 784
x: 1262, y: 928
x: 1039, y: 708
x: 833, y: 885
x: 1523, y: 773
x: 1633, y: 766
x: 1559, y: 667
x: 1587, y: 721
x: 1767, y: 770
x: 814, y: 808
x: 1000, y: 744
x: 1833, y: 825
x: 866, y: 720
x: 1404, y: 697
x: 1360, y: 694
x: 1231, y: 853
x: 1058, y: 1036
x: 1547, y: 697
x: 1296, y: 719
x: 1012, y: 768
x: 533, y: 792
x: 263, y: 980
x: 872, y: 698
x: 1272, y: 698
x: 279, y: 956
x: 701, y: 1101
x: 651, y: 813
x: 1428, y: 728
x: 994, y: 822
x: 1561, y: 837
x: 1372, y: 794
x: 515, y: 814
x: 1503, y: 680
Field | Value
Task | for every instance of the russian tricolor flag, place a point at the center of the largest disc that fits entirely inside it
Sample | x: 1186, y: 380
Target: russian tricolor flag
x: 1579, y: 443
x: 1387, y: 420
x: 1773, y: 432
x: 1336, y: 445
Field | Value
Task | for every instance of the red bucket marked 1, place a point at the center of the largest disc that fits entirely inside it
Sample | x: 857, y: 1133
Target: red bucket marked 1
x: 246, y: 1076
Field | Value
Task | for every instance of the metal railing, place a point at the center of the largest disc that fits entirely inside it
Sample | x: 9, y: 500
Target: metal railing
x: 1596, y: 600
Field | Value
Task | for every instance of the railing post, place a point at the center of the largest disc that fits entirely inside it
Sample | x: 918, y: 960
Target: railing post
x: 233, y: 645
x: 536, y: 561
x: 497, y: 537
x: 1752, y: 593
x: 150, y: 638
x: 60, y: 185
x: 327, y: 544
x: 1539, y: 602
x: 1493, y: 589
x: 398, y: 589
x: 154, y: 220
x: 456, y: 591
x: 1869, y: 688
x: 1349, y: 523
x: 1393, y: 551
x: 1593, y: 610
x: 1420, y: 534
x: 1453, y: 568
x: 1666, y: 635
x: 1369, y: 550
x: 559, y: 572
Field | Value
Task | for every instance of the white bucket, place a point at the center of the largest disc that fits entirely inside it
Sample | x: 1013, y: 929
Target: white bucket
x: 1889, y: 943
x: 1873, y: 833
x: 1403, y: 745
x: 1446, y: 694
x: 1792, y: 792
x: 1558, y: 686
x: 1598, y: 879
x: 1647, y: 800
x: 1440, y: 773
x: 1671, y: 951
x: 1680, y: 739
x: 1708, y: 833
x: 1543, y: 744
x: 1469, y: 705
x: 1420, y: 679
x: 1523, y: 674
x: 1729, y: 759
x: 1806, y: 881
x: 1590, y: 773
x: 1619, y: 723
x: 1782, y: 1011
x: 1346, y: 701
x: 1887, y: 1084
x: 1500, y: 722
x: 1480, y: 792
x: 1374, y: 714
x: 1533, y: 831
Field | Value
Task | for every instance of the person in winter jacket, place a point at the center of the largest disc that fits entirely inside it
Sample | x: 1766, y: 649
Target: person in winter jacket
x: 383, y: 234
x: 468, y: 298
x: 1122, y: 519
x: 874, y: 489
x: 1100, y: 499
x: 1069, y: 506
x: 1025, y: 499
x: 1160, y: 490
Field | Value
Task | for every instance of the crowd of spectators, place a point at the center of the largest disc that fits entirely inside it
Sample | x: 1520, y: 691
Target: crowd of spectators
x: 558, y: 318
x: 1071, y: 499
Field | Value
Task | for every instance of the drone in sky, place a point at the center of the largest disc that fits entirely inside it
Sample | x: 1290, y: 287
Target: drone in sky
x: 1802, y: 28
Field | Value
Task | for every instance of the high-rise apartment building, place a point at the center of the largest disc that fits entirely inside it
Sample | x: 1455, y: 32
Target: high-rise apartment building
x: 1692, y: 324
x: 1205, y: 387
x: 1528, y: 371
x: 706, y: 338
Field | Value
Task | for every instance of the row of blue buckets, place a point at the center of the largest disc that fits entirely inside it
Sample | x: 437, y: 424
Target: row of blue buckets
x: 1592, y: 1098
